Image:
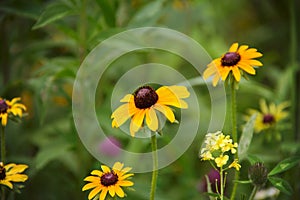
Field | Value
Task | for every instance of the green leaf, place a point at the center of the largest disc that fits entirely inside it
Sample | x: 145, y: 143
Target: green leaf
x: 284, y: 165
x: 108, y: 12
x: 281, y: 184
x: 253, y: 159
x: 148, y: 15
x: 52, y: 13
x: 246, y: 138
x: 51, y: 152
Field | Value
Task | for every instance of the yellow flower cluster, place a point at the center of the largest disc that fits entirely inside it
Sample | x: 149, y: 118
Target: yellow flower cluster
x: 218, y: 148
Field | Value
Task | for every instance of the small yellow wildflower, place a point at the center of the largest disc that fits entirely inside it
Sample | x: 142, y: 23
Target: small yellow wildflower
x: 235, y: 164
x: 12, y: 173
x: 8, y: 108
x: 221, y: 160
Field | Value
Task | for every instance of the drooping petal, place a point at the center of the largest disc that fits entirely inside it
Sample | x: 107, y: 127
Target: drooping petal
x: 103, y: 194
x: 151, y: 119
x: 127, y: 98
x: 225, y: 72
x: 236, y: 73
x: 136, y: 122
x: 122, y: 114
x: 125, y: 183
x: 94, y: 192
x: 167, y: 111
x: 111, y: 190
x: 7, y: 183
x: 255, y: 63
x: 17, y: 178
x: 209, y: 71
x: 119, y: 191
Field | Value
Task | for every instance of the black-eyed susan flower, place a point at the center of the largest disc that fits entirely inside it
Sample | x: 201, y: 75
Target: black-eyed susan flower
x: 8, y: 108
x: 236, y: 61
x: 268, y: 116
x: 218, y: 147
x: 108, y: 181
x: 12, y: 173
x: 144, y: 103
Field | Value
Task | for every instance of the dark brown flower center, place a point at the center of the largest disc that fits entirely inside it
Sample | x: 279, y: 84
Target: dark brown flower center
x: 268, y: 119
x: 145, y: 97
x: 109, y: 178
x: 2, y: 173
x: 230, y: 59
x: 3, y: 106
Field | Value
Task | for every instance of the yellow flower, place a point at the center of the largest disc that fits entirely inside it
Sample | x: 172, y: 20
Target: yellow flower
x: 109, y: 181
x: 235, y: 164
x: 12, y: 173
x: 144, y: 102
x: 207, y: 156
x: 236, y: 59
x: 268, y: 116
x: 221, y: 160
x: 10, y: 107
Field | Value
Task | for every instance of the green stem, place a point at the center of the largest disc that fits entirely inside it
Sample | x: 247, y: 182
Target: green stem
x: 155, y: 166
x: 253, y: 193
x: 3, y: 150
x: 234, y: 134
x: 222, y: 183
x: 3, y: 153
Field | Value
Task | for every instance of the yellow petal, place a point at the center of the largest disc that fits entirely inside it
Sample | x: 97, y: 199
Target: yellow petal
x: 263, y: 106
x: 151, y: 119
x: 118, y: 166
x: 9, y: 166
x: 121, y: 115
x: 17, y: 177
x: 17, y: 169
x: 216, y: 79
x: 127, y: 98
x: 123, y: 177
x: 94, y: 192
x: 92, y: 179
x: 167, y: 97
x: 247, y: 68
x: 7, y: 183
x: 136, y: 122
x: 89, y: 186
x: 234, y: 47
x: 4, y: 119
x: 255, y: 63
x: 119, y: 191
x: 209, y: 72
x: 243, y: 48
x: 126, y: 183
x: 103, y: 194
x: 111, y: 190
x: 105, y: 169
x: 14, y: 100
x: 166, y: 111
x: 225, y: 72
x: 236, y: 73
x: 97, y: 173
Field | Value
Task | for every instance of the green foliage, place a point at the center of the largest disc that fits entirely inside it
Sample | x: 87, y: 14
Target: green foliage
x: 285, y: 165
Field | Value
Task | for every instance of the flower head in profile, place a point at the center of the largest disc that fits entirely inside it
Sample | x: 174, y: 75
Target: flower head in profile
x: 108, y: 181
x: 236, y: 61
x: 12, y: 173
x: 268, y: 116
x: 218, y: 147
x: 144, y: 103
x: 10, y: 108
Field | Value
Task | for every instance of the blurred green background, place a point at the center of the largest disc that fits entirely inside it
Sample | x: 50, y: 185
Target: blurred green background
x: 44, y: 42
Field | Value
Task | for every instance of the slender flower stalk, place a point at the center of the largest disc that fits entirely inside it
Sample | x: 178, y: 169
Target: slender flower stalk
x: 254, y: 190
x: 3, y: 148
x: 155, y: 166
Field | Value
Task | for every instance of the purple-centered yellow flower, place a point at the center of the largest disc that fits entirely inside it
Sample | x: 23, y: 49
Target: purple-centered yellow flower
x: 108, y: 181
x: 236, y: 61
x: 144, y: 103
x: 10, y: 108
x: 12, y: 173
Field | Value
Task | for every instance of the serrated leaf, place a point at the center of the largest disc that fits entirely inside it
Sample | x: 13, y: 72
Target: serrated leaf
x: 246, y: 138
x: 284, y: 165
x: 52, y: 13
x: 281, y: 184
